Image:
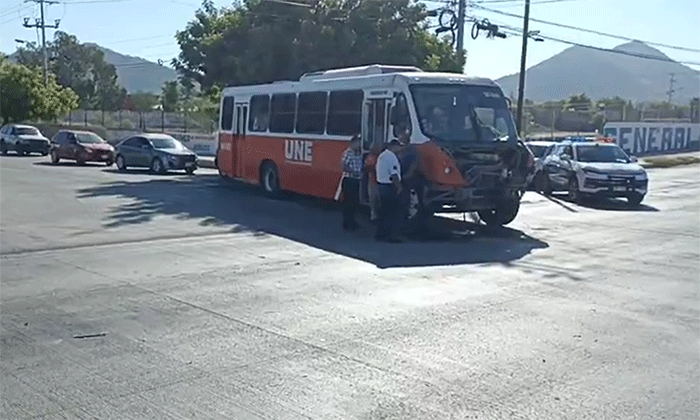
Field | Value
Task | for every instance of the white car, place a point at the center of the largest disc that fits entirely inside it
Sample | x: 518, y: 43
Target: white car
x: 23, y: 140
x: 540, y: 149
x: 593, y: 169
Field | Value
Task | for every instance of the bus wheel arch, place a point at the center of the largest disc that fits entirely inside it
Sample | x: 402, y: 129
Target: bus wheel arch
x: 269, y: 177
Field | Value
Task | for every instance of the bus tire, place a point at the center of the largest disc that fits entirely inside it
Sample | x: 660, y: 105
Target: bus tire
x: 504, y: 213
x: 270, y: 179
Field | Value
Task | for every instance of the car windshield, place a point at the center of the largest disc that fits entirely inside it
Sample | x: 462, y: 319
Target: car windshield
x: 165, y: 143
x: 537, y: 149
x: 451, y: 113
x: 27, y: 131
x: 598, y: 153
x: 88, y: 138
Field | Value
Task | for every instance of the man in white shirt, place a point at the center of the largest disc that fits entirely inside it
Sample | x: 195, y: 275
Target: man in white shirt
x: 389, y: 185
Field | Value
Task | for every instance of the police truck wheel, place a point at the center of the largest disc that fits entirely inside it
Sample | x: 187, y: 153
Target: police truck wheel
x: 546, y: 185
x: 269, y: 178
x: 635, y: 199
x: 574, y: 193
x: 504, y: 213
x: 540, y: 182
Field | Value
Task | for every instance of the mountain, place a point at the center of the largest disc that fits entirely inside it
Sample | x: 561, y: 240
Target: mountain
x: 136, y: 74
x: 603, y: 74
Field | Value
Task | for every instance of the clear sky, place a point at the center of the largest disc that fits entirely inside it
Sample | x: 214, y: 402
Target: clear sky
x: 145, y: 28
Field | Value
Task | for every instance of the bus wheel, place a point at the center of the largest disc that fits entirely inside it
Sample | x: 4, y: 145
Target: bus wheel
x: 503, y: 214
x: 270, y: 179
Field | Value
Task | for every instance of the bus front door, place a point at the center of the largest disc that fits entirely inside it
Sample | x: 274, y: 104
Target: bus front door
x: 239, y: 131
x: 375, y: 129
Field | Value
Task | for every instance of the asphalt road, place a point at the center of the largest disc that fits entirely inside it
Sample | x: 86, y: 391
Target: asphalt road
x: 134, y: 296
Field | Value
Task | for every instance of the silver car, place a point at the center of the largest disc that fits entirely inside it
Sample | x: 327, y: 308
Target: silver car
x: 159, y: 152
x: 23, y: 140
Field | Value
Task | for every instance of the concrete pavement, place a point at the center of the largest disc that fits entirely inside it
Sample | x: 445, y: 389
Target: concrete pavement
x: 142, y: 296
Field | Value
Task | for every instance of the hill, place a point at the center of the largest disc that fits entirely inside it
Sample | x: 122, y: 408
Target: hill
x: 137, y: 74
x: 602, y: 74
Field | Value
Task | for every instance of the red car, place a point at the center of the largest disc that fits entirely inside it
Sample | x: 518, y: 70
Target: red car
x: 81, y: 146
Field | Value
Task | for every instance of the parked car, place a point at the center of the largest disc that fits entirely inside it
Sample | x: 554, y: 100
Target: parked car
x: 159, y: 152
x: 594, y: 169
x: 81, y: 146
x: 23, y: 139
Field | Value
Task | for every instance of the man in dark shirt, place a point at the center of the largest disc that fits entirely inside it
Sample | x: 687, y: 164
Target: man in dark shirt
x: 410, y: 170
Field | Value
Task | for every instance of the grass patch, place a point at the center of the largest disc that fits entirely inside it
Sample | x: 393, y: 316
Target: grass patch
x: 670, y: 161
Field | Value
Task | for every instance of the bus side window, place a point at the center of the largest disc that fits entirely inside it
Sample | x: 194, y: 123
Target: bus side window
x: 345, y: 112
x: 259, y: 113
x: 227, y: 114
x: 282, y: 112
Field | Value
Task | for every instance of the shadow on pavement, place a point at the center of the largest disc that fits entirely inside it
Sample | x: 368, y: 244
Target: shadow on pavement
x: 610, y: 204
x: 70, y: 163
x: 142, y: 171
x: 617, y: 205
x: 313, y: 222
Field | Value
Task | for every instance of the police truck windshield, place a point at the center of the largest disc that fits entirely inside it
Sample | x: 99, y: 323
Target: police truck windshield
x: 459, y: 113
x: 598, y: 153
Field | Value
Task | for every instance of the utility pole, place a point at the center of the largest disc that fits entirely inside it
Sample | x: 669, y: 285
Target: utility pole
x: 41, y: 23
x: 461, y: 11
x: 523, y: 55
x: 671, y: 90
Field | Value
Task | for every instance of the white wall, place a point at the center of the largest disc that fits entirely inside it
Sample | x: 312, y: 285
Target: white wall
x: 654, y: 138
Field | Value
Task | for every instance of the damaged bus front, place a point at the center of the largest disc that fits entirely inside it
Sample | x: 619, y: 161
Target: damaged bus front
x: 471, y: 156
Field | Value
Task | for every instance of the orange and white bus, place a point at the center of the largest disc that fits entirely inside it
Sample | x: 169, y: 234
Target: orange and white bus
x: 290, y: 135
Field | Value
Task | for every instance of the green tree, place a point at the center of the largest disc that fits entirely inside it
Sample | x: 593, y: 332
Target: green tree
x: 170, y: 97
x: 82, y: 68
x: 579, y: 102
x: 23, y: 95
x: 141, y: 101
x: 260, y: 41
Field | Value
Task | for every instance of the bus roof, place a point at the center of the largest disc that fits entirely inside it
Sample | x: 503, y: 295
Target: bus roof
x: 352, y: 80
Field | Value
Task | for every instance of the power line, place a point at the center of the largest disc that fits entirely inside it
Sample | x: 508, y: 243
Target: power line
x: 518, y: 31
x: 591, y: 31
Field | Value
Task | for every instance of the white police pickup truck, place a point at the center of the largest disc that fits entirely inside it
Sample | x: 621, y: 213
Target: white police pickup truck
x: 593, y: 169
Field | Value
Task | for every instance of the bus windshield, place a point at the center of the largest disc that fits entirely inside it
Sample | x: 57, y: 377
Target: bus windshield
x: 451, y: 112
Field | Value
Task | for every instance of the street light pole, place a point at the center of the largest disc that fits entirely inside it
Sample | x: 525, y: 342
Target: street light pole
x: 461, y: 11
x: 521, y: 87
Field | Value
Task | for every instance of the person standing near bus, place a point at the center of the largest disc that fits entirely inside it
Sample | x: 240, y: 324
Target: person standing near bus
x: 352, y: 173
x: 372, y: 190
x: 389, y: 187
x: 410, y: 170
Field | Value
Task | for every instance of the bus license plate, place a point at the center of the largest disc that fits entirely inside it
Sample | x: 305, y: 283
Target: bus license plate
x: 620, y: 188
x: 189, y: 164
